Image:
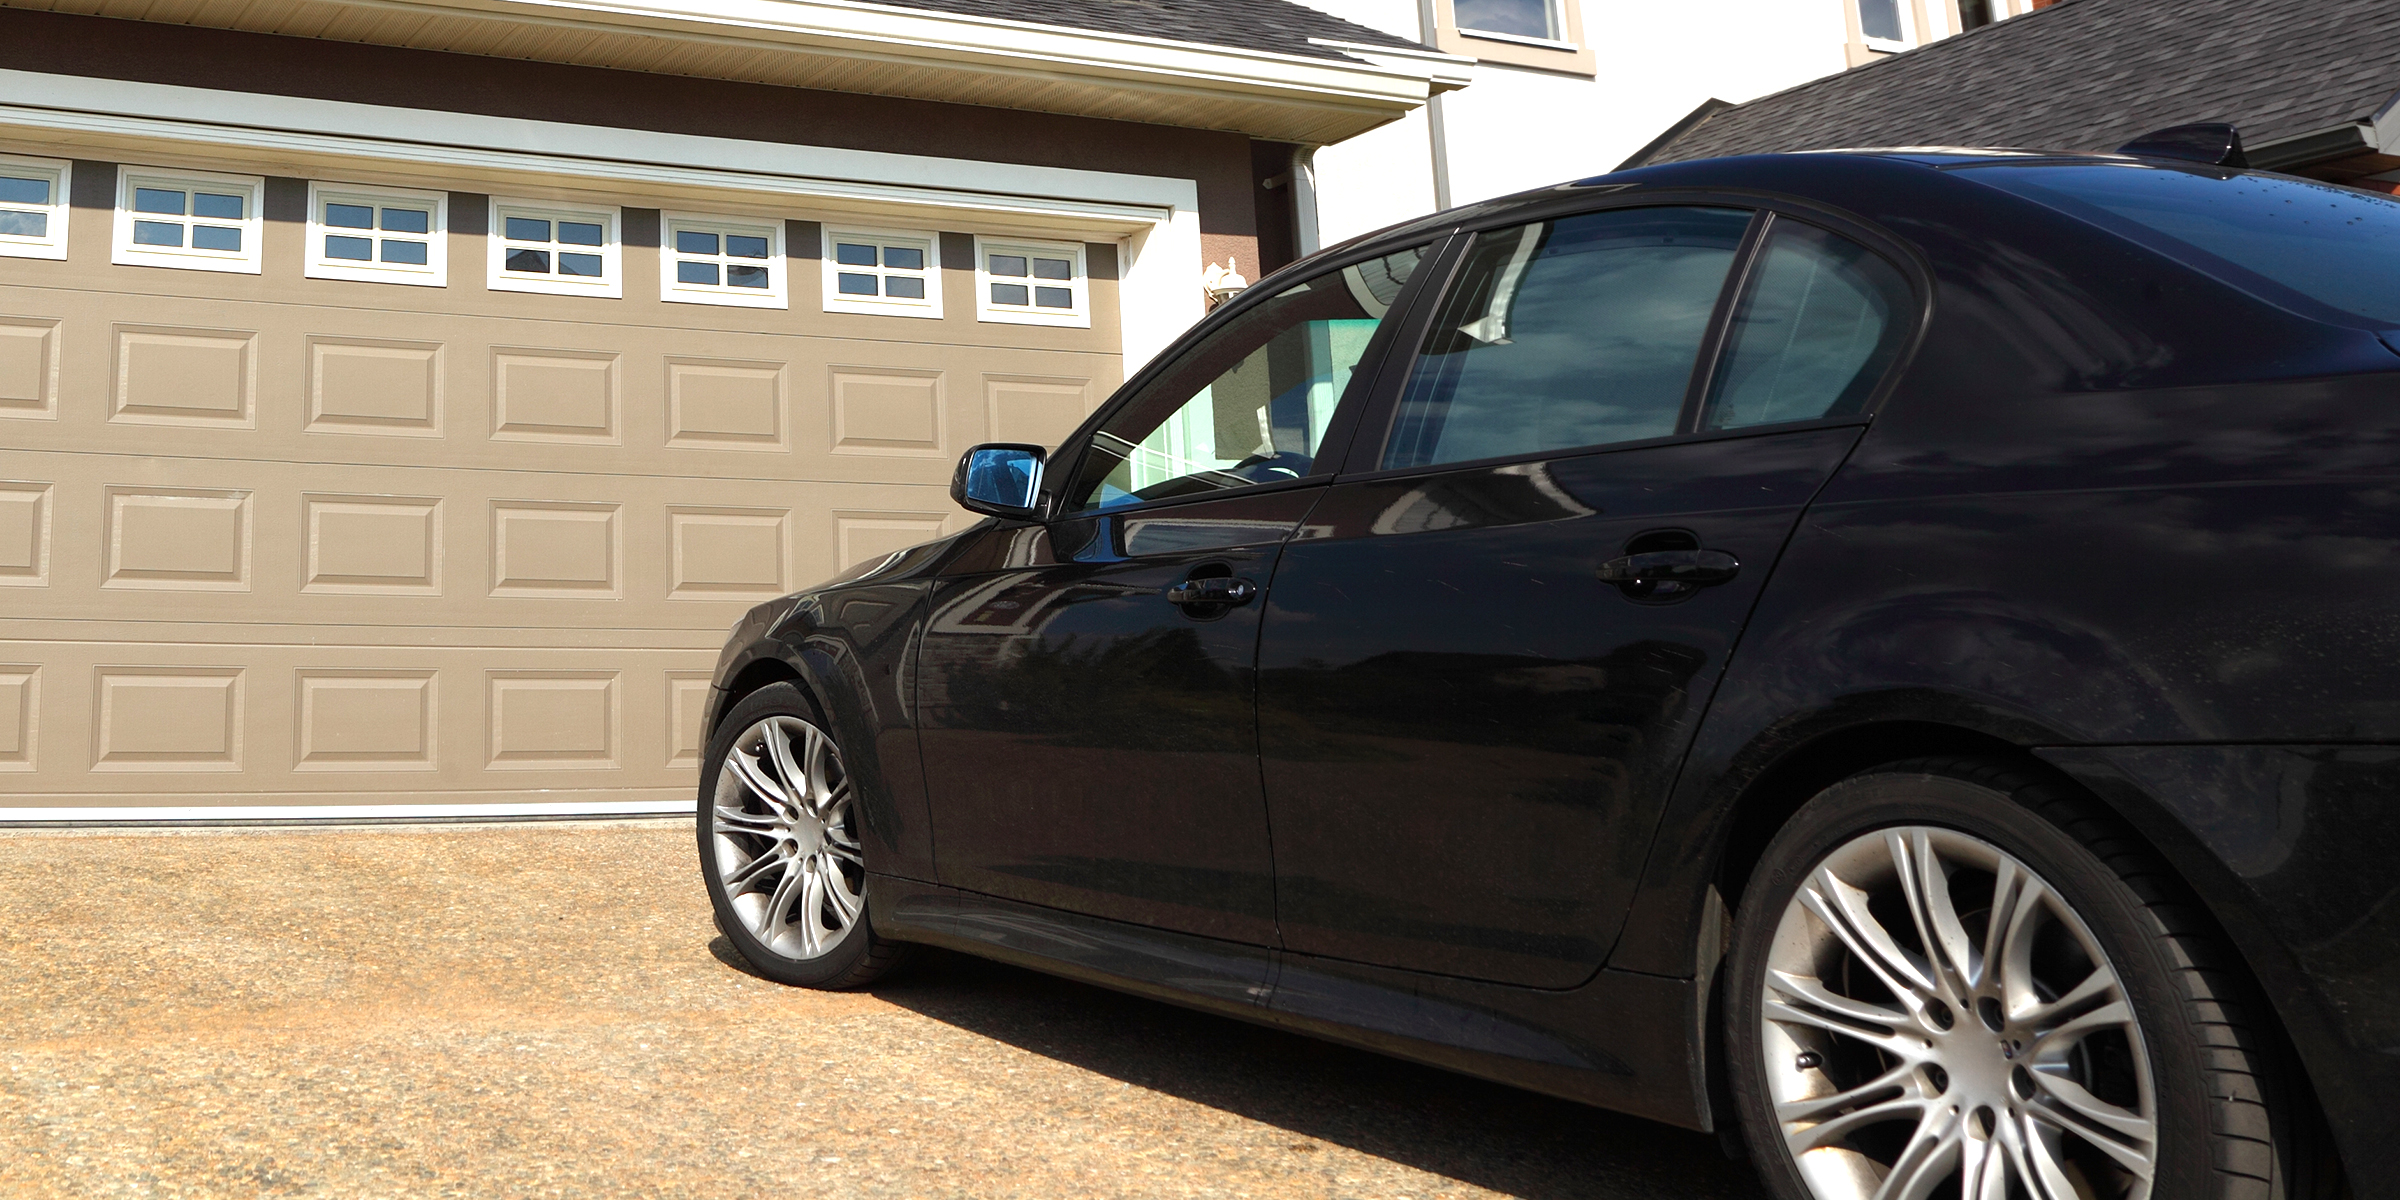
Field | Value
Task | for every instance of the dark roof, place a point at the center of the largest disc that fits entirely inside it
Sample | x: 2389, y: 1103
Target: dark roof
x: 2090, y: 75
x: 1278, y: 26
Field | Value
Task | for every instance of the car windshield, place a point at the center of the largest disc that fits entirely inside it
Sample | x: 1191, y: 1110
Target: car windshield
x: 2270, y: 235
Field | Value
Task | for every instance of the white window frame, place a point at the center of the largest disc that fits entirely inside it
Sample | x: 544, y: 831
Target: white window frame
x: 1078, y: 317
x: 435, y: 272
x: 246, y: 261
x: 60, y: 173
x: 1909, y: 36
x: 611, y: 220
x: 777, y: 293
x: 835, y: 301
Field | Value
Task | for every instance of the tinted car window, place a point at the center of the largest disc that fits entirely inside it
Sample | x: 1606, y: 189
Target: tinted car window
x: 2332, y: 245
x: 1566, y: 333
x: 1248, y: 404
x: 1822, y: 318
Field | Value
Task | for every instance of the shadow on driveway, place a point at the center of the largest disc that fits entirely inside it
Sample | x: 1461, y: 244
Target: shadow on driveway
x: 1501, y: 1138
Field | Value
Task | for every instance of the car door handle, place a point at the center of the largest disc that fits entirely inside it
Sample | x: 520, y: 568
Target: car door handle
x: 1214, y: 590
x: 1699, y: 568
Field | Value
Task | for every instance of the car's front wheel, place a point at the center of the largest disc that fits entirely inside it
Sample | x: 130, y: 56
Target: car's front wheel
x: 1950, y: 979
x: 779, y: 847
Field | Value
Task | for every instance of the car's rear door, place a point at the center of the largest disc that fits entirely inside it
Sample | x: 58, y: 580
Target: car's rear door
x: 1467, y: 726
x: 1084, y: 689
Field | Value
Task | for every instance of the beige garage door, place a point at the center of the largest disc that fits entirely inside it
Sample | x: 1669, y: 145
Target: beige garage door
x: 268, y: 540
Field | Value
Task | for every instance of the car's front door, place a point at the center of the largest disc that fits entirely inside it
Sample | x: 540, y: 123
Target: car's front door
x: 1085, y: 686
x: 1474, y: 692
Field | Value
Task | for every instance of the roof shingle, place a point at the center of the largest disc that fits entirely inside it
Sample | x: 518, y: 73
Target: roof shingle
x: 2089, y: 75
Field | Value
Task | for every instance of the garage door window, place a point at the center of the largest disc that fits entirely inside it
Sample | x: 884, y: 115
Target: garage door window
x: 33, y: 207
x: 1031, y: 283
x: 380, y: 235
x: 560, y: 250
x: 188, y: 220
x: 722, y: 260
x: 892, y: 272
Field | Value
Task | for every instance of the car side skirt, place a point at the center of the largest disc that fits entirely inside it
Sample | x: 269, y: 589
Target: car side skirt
x: 1623, y: 1041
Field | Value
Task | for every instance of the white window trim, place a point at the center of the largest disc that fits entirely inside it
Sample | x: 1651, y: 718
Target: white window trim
x: 1080, y: 317
x: 246, y: 262
x: 1518, y: 39
x: 60, y: 173
x: 435, y: 272
x: 777, y: 293
x: 835, y: 301
x: 611, y: 283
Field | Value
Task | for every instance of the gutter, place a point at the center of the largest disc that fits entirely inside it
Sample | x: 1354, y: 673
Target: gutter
x: 2379, y: 134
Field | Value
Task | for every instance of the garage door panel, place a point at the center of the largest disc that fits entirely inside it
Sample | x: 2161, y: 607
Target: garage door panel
x: 460, y: 393
x: 380, y: 546
x: 20, y: 713
x: 174, y: 720
x: 24, y: 533
x: 365, y: 719
x: 728, y: 404
x: 556, y: 396
x: 374, y: 386
x: 367, y: 545
x: 176, y: 538
x: 28, y: 366
x: 184, y: 376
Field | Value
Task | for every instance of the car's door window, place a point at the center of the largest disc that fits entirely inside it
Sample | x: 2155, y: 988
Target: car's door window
x: 1573, y: 332
x: 1823, y: 319
x: 1249, y: 404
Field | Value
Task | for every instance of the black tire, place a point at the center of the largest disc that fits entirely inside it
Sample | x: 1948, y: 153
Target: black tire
x: 2223, y: 1127
x: 860, y: 956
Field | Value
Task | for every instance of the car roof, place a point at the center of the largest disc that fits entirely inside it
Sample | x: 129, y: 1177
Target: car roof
x: 1799, y: 174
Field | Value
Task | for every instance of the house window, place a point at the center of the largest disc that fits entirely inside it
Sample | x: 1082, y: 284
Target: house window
x: 1031, y: 283
x: 187, y: 220
x: 883, y: 272
x: 564, y: 250
x: 1536, y: 19
x: 33, y: 207
x: 1884, y: 24
x: 722, y: 260
x: 381, y: 235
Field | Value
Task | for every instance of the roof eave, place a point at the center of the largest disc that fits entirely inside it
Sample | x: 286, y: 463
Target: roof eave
x: 2315, y: 146
x: 840, y: 45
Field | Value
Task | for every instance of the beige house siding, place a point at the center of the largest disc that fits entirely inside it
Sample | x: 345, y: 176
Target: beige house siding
x: 268, y: 540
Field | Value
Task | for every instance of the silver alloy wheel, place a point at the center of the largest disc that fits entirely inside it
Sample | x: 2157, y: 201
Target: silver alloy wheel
x: 786, y: 854
x: 1938, y: 1021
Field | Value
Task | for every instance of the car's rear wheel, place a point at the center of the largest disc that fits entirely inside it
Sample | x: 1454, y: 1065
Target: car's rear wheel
x: 1951, y: 979
x: 779, y: 846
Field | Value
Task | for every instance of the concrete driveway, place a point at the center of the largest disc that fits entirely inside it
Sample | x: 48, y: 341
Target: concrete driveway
x: 545, y: 1010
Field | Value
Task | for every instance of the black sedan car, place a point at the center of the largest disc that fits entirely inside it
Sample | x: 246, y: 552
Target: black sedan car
x: 1896, y: 653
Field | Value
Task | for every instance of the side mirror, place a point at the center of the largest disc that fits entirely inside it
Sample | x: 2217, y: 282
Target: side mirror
x: 1002, y: 479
